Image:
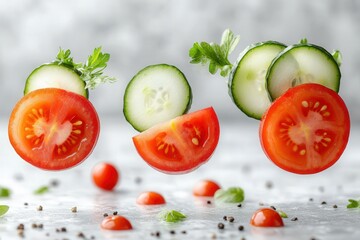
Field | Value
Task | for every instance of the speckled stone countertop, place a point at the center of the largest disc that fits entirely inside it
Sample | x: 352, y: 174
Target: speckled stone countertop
x: 318, y: 202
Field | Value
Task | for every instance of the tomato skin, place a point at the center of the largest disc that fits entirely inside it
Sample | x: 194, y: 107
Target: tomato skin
x: 306, y: 130
x: 182, y: 144
x: 116, y: 222
x: 53, y: 129
x: 150, y: 198
x: 105, y: 176
x: 266, y: 217
x: 205, y: 188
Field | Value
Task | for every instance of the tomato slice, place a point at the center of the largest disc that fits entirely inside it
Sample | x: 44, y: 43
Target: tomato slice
x: 53, y: 129
x: 306, y: 130
x: 181, y: 144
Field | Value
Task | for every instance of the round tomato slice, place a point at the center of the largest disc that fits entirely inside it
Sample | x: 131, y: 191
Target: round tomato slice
x: 305, y: 130
x: 53, y: 129
x: 181, y: 144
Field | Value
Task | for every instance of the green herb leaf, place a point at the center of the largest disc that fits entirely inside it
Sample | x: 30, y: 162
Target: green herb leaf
x: 353, y: 203
x: 41, y: 190
x: 214, y: 54
x: 303, y: 41
x: 282, y: 214
x: 338, y: 57
x: 3, y: 209
x: 230, y: 195
x: 171, y: 216
x: 92, y: 71
x: 5, y: 192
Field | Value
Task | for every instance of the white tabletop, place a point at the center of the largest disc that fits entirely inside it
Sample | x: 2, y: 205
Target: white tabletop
x: 238, y: 161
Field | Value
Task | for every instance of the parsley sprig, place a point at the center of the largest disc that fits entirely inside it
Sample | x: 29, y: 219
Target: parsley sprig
x: 216, y: 55
x: 91, y: 71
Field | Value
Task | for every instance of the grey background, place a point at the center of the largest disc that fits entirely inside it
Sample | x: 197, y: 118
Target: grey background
x: 139, y: 33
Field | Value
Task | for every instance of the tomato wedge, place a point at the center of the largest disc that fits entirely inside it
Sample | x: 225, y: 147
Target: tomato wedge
x: 181, y: 144
x: 53, y: 129
x: 306, y: 130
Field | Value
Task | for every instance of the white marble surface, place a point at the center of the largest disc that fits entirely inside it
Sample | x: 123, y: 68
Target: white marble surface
x: 238, y: 161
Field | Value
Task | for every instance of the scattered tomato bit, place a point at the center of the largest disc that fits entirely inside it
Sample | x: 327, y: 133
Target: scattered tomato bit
x: 266, y: 217
x: 150, y: 198
x: 116, y: 222
x: 105, y: 176
x: 205, y: 188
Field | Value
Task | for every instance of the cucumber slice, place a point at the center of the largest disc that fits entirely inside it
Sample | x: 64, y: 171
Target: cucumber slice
x: 53, y: 75
x: 156, y: 94
x: 247, y: 79
x: 302, y: 63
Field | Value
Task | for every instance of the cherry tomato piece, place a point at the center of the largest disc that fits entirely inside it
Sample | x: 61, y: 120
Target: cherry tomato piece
x: 266, y: 217
x: 116, y: 222
x: 150, y: 198
x: 205, y: 188
x: 305, y: 130
x: 105, y: 176
x: 181, y: 144
x: 53, y: 129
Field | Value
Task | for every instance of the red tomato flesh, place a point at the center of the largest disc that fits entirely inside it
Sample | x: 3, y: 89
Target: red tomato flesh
x: 105, y: 176
x: 53, y: 129
x: 266, y: 217
x: 205, y: 188
x: 306, y: 130
x: 181, y: 144
x: 150, y: 198
x: 116, y: 222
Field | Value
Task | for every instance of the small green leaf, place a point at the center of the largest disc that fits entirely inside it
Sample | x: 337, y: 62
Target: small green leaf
x: 353, y: 204
x: 41, y: 190
x: 5, y: 192
x: 171, y: 216
x: 282, y: 214
x: 303, y: 41
x: 230, y: 195
x: 338, y: 57
x: 3, y: 209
